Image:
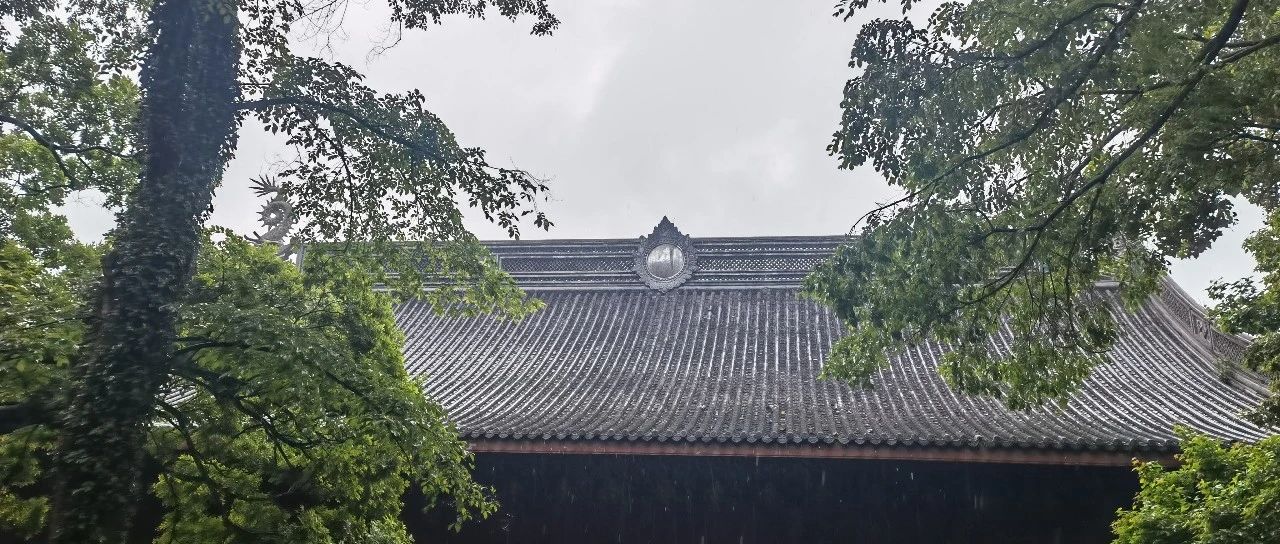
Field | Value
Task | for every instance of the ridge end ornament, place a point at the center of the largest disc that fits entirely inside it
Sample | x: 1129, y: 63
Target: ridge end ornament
x: 666, y: 257
x: 277, y: 216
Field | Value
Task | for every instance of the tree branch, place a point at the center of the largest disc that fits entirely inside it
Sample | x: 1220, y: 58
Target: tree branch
x: 180, y: 422
x: 39, y: 408
x: 379, y: 129
x: 61, y: 148
x: 1220, y: 39
x: 1211, y: 51
x: 1057, y: 31
x: 224, y: 387
x: 1085, y: 70
x: 52, y: 148
x: 1260, y: 45
x: 1095, y: 181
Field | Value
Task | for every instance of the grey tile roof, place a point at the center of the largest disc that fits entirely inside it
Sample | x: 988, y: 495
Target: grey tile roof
x: 733, y: 354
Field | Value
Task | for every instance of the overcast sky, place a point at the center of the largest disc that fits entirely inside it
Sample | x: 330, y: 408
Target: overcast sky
x: 714, y: 113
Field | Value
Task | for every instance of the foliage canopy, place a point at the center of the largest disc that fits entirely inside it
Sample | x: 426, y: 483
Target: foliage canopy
x: 289, y: 418
x: 1042, y: 146
x: 1217, y: 494
x: 256, y: 401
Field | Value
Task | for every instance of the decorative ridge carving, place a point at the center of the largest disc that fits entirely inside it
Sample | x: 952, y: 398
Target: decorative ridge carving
x: 1227, y: 348
x: 666, y: 257
x: 277, y: 215
x: 724, y: 262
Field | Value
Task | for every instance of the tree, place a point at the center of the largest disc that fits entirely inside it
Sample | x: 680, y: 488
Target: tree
x: 81, y: 108
x: 1217, y: 494
x: 1253, y: 307
x: 290, y: 417
x: 1042, y: 146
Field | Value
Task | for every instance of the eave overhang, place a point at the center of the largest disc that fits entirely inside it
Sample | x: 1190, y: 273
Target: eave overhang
x: 1021, y: 456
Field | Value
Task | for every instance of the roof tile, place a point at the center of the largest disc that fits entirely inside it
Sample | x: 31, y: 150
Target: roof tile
x: 733, y: 356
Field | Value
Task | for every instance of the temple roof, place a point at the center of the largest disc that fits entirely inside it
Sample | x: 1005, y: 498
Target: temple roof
x: 673, y: 339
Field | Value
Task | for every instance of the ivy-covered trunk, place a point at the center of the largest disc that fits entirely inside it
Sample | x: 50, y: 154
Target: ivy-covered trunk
x: 187, y: 125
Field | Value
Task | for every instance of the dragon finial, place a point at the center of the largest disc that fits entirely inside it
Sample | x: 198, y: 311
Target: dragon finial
x: 276, y: 215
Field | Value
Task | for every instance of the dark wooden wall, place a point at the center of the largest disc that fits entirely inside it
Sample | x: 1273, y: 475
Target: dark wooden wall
x: 642, y: 499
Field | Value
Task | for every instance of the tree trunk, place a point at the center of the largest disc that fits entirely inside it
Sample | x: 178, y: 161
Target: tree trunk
x: 188, y: 123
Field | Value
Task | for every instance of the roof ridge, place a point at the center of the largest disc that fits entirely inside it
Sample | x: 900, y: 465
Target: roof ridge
x: 1192, y: 318
x: 714, y: 263
x: 577, y: 241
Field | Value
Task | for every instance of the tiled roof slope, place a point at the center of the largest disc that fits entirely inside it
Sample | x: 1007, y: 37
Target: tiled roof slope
x: 733, y: 354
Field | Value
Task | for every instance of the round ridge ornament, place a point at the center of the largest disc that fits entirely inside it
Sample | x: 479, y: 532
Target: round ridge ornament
x: 665, y: 258
x: 665, y: 261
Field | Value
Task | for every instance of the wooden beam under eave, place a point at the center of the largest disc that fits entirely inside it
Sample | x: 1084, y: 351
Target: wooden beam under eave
x: 1025, y: 456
